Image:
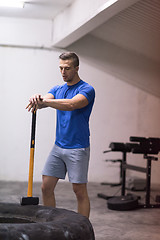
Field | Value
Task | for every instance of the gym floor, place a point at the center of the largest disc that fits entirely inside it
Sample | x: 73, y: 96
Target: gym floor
x: 139, y: 224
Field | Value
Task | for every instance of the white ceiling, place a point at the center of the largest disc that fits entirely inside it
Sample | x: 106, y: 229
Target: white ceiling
x: 137, y: 28
x: 39, y: 9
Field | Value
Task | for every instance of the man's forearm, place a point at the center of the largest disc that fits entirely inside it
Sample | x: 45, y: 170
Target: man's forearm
x: 38, y: 102
x: 60, y: 104
x: 77, y: 102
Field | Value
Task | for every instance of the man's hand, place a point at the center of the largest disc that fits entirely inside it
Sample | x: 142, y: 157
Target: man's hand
x: 35, y: 102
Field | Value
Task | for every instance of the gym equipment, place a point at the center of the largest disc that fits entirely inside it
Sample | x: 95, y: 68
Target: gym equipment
x: 145, y: 146
x: 101, y: 195
x: 135, y: 184
x: 42, y: 223
x: 123, y: 203
x: 29, y: 200
x: 114, y: 161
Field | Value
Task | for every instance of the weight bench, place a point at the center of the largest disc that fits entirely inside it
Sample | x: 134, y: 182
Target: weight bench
x: 145, y: 146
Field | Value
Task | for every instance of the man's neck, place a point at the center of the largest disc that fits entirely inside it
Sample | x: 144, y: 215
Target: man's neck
x: 74, y: 81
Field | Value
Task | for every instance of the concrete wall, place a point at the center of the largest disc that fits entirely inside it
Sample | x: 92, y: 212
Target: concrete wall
x: 23, y: 73
x: 126, y: 104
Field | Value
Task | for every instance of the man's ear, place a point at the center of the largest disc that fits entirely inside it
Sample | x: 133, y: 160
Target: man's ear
x: 77, y: 68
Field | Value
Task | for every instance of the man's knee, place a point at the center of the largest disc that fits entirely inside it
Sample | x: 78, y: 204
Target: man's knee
x: 48, y: 184
x: 45, y: 188
x: 80, y: 190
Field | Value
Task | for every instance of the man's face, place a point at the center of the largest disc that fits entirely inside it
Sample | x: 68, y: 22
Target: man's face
x: 67, y: 70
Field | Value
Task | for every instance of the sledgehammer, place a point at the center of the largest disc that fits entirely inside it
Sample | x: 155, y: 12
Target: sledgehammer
x: 29, y: 200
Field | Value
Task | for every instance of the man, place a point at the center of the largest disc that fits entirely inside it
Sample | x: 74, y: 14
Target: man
x: 73, y: 101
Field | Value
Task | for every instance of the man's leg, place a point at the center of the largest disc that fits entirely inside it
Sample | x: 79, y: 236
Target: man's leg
x: 48, y: 186
x: 82, y: 198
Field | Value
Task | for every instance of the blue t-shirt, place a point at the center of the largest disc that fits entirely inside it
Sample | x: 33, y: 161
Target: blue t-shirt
x: 72, y: 130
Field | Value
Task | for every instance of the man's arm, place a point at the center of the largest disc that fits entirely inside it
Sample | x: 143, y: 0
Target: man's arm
x: 77, y: 102
x: 38, y: 102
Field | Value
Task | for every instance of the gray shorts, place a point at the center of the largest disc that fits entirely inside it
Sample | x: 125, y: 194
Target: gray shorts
x: 74, y: 161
